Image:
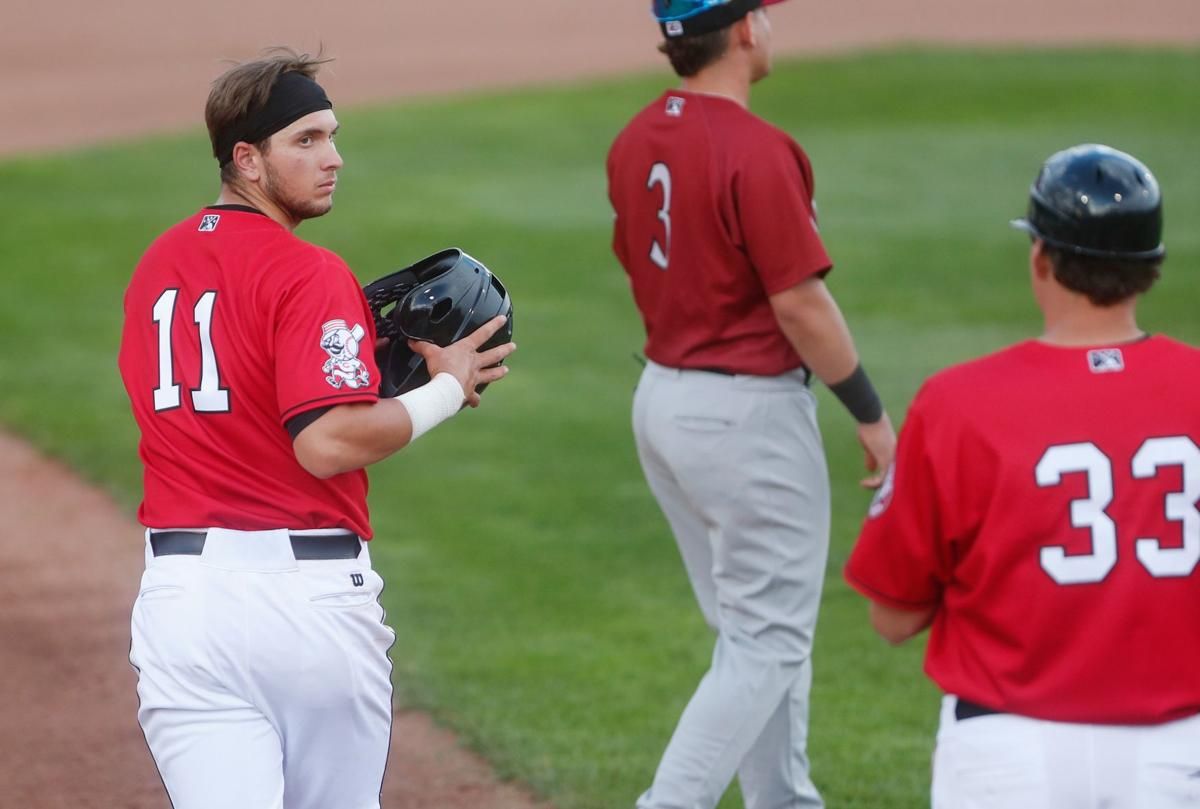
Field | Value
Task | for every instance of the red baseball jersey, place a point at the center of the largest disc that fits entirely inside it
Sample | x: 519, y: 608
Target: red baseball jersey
x: 1045, y: 500
x: 232, y: 327
x: 714, y: 213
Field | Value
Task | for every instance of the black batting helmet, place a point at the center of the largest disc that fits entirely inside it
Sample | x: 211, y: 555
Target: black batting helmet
x: 1096, y: 201
x: 439, y: 300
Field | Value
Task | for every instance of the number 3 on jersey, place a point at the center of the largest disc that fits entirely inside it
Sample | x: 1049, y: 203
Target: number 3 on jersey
x: 1089, y: 512
x: 660, y: 174
x: 210, y: 397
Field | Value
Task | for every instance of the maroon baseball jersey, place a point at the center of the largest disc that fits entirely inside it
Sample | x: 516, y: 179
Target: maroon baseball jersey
x: 714, y: 213
x: 1045, y: 499
x: 232, y: 327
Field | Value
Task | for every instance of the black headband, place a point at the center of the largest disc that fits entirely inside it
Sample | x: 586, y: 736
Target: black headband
x: 293, y: 96
x: 711, y: 19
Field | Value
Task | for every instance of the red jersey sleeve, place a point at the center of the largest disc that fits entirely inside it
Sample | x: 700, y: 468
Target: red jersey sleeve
x: 773, y: 199
x: 324, y: 338
x: 899, y: 559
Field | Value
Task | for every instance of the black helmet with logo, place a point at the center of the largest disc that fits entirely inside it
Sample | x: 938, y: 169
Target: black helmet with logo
x: 439, y: 300
x: 1096, y: 201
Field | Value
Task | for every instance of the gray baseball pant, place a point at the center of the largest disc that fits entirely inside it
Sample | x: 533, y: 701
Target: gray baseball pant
x: 737, y: 465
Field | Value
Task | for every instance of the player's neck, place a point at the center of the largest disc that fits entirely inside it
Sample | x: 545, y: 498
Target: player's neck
x: 724, y: 83
x: 1086, y: 325
x: 250, y: 196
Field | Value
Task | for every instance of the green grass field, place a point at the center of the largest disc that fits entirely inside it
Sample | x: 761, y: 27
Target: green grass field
x: 538, y: 599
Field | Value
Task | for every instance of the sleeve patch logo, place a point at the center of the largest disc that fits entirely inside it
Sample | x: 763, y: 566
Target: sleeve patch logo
x: 675, y: 106
x: 208, y: 222
x: 342, y: 345
x: 1105, y: 360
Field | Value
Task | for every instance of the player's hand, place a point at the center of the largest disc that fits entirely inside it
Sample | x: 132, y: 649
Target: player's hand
x: 465, y: 362
x: 879, y: 441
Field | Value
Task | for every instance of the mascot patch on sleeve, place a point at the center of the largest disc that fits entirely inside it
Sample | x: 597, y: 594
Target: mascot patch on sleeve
x: 342, y: 345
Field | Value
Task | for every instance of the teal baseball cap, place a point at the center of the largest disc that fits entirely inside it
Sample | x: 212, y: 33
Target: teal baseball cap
x: 681, y: 18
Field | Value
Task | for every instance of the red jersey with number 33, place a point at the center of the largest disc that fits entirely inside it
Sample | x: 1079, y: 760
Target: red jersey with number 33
x: 233, y: 326
x: 1045, y: 498
x: 714, y: 213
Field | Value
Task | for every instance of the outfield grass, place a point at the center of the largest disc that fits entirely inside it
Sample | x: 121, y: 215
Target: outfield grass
x: 539, y: 603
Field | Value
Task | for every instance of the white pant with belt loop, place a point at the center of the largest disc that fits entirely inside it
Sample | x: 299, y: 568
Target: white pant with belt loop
x: 263, y: 682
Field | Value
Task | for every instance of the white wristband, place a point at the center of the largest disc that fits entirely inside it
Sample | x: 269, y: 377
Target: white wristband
x: 432, y: 403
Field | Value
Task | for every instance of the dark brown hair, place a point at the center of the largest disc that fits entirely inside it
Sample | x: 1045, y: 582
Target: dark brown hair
x: 246, y: 86
x: 1104, y: 281
x: 690, y: 55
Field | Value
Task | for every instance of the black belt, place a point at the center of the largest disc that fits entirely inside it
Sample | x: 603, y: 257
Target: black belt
x: 726, y: 372
x: 965, y: 709
x: 305, y: 547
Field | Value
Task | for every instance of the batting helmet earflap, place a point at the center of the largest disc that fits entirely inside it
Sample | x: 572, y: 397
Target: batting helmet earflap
x: 1093, y: 200
x: 680, y: 18
x: 440, y: 300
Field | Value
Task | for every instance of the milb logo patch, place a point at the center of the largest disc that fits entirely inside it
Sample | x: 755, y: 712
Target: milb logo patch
x: 208, y: 222
x: 1105, y: 360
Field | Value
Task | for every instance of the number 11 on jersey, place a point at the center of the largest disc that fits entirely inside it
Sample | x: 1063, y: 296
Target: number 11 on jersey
x: 210, y: 397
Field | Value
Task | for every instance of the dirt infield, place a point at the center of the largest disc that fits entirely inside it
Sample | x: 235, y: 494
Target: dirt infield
x: 76, y: 72
x: 68, y: 733
x: 70, y: 559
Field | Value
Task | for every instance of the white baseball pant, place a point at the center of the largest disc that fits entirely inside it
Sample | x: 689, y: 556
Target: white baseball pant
x: 263, y: 682
x: 1005, y: 761
x: 737, y: 466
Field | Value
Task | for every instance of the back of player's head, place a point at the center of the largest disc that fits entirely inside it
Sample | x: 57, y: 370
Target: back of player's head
x: 696, y: 32
x: 1099, y: 213
x: 254, y: 100
x: 1104, y: 281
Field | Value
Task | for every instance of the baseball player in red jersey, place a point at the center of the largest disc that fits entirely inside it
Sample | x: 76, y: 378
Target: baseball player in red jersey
x: 248, y: 357
x: 1042, y: 517
x: 716, y: 228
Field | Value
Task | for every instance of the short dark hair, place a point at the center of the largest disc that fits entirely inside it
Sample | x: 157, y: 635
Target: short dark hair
x: 248, y: 85
x: 690, y: 55
x: 1105, y: 281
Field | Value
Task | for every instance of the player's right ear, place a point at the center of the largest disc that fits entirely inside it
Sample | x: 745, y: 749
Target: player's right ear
x: 1039, y: 260
x: 743, y: 32
x: 247, y: 159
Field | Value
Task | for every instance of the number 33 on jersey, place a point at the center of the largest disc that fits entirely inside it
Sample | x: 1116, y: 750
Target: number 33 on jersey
x: 1174, y: 452
x: 1040, y: 491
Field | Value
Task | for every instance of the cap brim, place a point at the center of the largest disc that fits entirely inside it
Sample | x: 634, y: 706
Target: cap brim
x: 1023, y: 224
